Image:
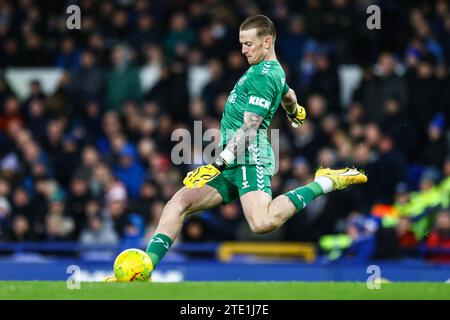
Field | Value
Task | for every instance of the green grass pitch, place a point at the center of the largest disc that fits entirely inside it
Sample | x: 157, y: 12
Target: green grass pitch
x: 224, y: 291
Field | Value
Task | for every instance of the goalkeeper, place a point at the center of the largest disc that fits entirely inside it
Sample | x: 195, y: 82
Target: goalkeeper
x: 245, y: 167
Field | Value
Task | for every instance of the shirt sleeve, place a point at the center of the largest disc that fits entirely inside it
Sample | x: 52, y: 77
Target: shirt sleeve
x: 260, y: 95
x: 285, y: 89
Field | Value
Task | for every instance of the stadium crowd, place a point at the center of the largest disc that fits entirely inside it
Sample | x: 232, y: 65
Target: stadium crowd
x: 91, y: 161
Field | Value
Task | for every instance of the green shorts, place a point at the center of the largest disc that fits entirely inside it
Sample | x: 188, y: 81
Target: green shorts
x: 237, y: 180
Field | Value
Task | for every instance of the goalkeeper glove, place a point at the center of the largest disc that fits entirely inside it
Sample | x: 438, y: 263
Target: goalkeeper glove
x: 297, y: 117
x: 204, y: 174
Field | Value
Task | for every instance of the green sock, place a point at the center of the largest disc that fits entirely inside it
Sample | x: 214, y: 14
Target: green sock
x: 157, y: 247
x: 301, y: 196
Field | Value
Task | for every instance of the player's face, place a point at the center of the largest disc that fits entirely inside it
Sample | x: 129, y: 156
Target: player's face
x: 252, y: 46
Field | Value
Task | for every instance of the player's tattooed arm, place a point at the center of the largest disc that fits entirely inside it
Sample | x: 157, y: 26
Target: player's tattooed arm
x: 289, y: 101
x: 245, y: 135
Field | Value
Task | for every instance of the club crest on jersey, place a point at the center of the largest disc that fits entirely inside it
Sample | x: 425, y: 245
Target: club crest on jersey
x: 232, y: 96
x: 261, y: 102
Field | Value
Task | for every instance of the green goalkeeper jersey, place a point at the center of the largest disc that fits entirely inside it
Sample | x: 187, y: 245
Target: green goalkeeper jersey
x: 259, y: 91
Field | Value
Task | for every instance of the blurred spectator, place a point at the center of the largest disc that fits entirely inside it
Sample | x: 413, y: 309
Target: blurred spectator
x: 332, y: 132
x: 438, y: 242
x: 339, y: 20
x: 173, y: 78
x: 214, y: 87
x: 195, y: 229
x: 327, y: 158
x: 86, y: 82
x: 11, y: 112
x: 92, y: 121
x: 380, y: 85
x: 224, y: 226
x: 429, y: 178
x: 421, y: 205
x: 180, y: 37
x: 69, y: 56
x: 362, y: 233
x: 98, y: 232
x: 102, y: 180
x: 85, y: 169
x: 129, y: 171
x: 134, y: 232
x: 116, y: 205
x: 308, y: 141
x: 406, y: 238
x: 5, y: 90
x: 96, y: 43
x: 397, y: 124
x: 235, y: 66
x: 59, y: 226
x: 317, y: 107
x: 402, y: 195
x: 10, y: 168
x: 37, y: 119
x: 389, y: 171
x: 54, y: 147
x: 292, y: 42
x: 151, y: 70
x: 77, y: 200
x: 36, y: 91
x: 70, y: 157
x: 154, y: 214
x: 437, y: 147
x: 120, y: 24
x: 423, y: 93
x: 22, y: 204
x: 122, y: 82
x: 148, y: 195
x: 146, y: 33
x: 34, y: 47
x: 10, y: 54
x: 111, y: 127
x: 5, y: 217
x: 208, y: 43
x: 325, y: 80
x: 21, y: 230
x: 306, y: 68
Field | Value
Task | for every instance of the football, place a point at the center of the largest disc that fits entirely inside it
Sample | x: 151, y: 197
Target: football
x: 133, y: 265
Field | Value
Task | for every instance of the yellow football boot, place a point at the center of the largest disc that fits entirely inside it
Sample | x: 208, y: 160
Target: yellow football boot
x: 342, y: 178
x: 110, y: 279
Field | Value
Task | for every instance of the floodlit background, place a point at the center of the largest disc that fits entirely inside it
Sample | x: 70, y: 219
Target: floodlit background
x: 86, y: 118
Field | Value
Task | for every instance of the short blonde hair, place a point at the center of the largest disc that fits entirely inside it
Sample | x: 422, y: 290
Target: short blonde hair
x: 261, y: 23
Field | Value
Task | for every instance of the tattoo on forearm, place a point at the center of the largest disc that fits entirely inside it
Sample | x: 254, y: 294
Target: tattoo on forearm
x: 245, y: 135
